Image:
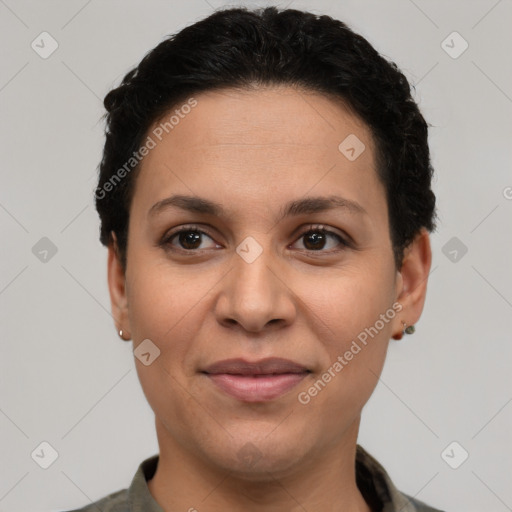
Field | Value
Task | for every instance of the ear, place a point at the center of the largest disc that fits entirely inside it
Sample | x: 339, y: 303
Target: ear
x: 117, y: 289
x: 412, y: 281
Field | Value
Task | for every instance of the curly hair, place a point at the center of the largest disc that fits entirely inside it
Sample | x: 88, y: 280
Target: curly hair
x: 243, y: 48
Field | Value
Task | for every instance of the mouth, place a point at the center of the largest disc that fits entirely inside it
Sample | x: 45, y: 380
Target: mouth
x: 259, y: 381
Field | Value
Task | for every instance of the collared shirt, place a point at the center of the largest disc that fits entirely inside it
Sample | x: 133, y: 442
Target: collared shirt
x: 372, y: 480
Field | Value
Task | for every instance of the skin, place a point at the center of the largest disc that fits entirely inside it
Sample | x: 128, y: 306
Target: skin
x: 252, y: 152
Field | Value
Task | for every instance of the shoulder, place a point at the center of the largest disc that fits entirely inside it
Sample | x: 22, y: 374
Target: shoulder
x: 115, y: 502
x: 135, y: 497
x: 419, y: 506
x: 380, y: 491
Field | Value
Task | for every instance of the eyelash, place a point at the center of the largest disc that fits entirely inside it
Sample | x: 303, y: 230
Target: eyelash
x: 166, y: 241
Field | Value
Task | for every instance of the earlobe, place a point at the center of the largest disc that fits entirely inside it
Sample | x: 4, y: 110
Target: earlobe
x: 413, y: 279
x: 117, y: 289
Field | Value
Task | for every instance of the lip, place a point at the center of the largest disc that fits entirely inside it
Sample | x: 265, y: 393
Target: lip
x: 258, y: 381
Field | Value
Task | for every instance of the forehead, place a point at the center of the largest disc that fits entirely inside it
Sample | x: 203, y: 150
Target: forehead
x: 260, y: 143
x: 276, y: 115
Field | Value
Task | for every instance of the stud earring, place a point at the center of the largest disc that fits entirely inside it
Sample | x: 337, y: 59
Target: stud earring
x: 407, y: 329
x: 121, y: 335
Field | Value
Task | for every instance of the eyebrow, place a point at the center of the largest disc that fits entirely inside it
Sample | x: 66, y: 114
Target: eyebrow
x: 308, y: 205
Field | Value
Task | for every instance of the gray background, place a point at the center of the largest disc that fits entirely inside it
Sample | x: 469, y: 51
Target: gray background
x: 67, y: 379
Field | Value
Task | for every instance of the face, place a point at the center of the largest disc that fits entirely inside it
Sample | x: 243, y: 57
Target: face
x: 287, y: 255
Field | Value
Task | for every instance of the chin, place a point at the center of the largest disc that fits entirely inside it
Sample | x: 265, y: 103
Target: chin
x: 256, y: 455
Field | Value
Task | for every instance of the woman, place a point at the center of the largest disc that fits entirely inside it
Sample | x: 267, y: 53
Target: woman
x: 265, y: 197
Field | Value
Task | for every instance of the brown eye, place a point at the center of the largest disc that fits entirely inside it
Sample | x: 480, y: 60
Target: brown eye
x: 186, y: 239
x: 316, y: 239
x: 189, y: 239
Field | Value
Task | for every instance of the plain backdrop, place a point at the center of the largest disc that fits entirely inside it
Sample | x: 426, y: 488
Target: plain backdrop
x: 66, y: 378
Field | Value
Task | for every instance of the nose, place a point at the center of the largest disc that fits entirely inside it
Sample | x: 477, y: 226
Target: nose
x: 255, y: 296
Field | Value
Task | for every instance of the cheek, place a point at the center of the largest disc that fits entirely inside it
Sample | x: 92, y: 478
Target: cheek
x: 161, y: 301
x: 347, y: 301
x: 353, y: 322
x: 163, y: 309
x: 169, y: 397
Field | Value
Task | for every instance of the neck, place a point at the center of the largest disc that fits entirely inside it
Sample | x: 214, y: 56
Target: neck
x: 323, y: 482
